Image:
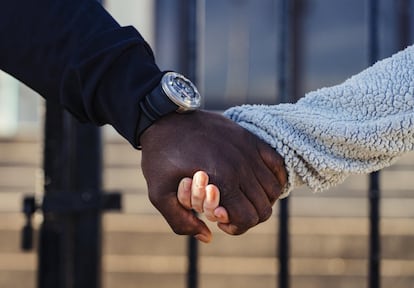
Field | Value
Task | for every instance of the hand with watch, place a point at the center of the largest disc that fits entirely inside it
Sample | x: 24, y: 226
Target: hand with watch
x: 177, y: 139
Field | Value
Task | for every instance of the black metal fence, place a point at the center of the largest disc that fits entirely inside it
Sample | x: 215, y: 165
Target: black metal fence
x: 74, y: 201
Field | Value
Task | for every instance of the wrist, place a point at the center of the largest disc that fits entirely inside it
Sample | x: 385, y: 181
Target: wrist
x: 173, y: 94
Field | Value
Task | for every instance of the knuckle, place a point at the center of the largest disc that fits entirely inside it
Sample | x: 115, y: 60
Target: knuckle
x: 274, y: 193
x: 154, y: 199
x: 197, y: 197
x: 265, y: 214
x: 179, y: 230
x: 237, y: 230
x: 182, y: 230
x: 208, y: 206
x: 250, y: 220
x: 210, y: 217
x: 279, y: 169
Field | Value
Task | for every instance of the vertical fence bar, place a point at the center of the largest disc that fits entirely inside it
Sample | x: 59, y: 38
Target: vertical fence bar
x: 69, y: 252
x: 375, y: 247
x: 70, y: 241
x: 284, y: 244
x: 283, y: 86
x: 192, y: 270
x: 289, y: 75
x: 374, y: 178
x: 50, y: 269
x: 189, y: 59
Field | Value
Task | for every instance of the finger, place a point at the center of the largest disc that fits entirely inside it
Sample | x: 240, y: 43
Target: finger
x: 276, y: 166
x: 211, y: 202
x: 184, y: 193
x: 198, y: 190
x: 241, y: 213
x: 230, y: 229
x: 259, y: 199
x: 269, y: 183
x: 204, y: 235
x: 181, y: 220
x: 212, y: 210
x: 221, y: 215
x: 264, y: 190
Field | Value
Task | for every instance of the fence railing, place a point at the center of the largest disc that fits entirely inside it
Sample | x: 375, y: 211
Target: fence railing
x: 374, y: 178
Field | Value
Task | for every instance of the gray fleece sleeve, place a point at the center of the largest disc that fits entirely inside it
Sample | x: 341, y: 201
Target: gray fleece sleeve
x: 359, y: 126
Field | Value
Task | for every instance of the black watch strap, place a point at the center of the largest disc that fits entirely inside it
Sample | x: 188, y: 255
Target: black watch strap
x: 154, y: 106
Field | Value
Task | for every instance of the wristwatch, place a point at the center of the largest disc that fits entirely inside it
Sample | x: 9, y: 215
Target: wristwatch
x: 174, y: 93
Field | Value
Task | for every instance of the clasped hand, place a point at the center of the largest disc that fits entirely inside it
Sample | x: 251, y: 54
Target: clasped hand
x: 249, y: 173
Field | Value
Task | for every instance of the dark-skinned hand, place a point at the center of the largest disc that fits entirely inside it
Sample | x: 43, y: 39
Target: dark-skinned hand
x: 249, y: 173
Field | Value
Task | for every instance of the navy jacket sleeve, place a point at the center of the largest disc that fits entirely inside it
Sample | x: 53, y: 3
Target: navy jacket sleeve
x: 73, y: 52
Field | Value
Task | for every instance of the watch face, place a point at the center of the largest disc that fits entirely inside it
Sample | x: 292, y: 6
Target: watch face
x: 181, y: 91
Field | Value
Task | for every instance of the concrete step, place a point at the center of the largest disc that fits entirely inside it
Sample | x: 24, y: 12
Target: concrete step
x: 300, y: 206
x: 251, y: 245
x: 113, y: 280
x: 20, y: 153
x: 126, y: 234
x: 27, y: 279
x: 18, y: 279
x: 30, y: 153
x: 155, y: 271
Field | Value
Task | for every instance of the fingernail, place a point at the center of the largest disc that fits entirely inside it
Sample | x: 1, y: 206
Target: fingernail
x: 200, y: 179
x: 219, y: 214
x: 187, y: 184
x: 202, y: 238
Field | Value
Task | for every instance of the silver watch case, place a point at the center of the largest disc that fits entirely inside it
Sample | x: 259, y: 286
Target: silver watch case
x: 181, y: 92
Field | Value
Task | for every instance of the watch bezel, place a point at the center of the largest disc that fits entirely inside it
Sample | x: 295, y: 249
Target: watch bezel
x: 184, y: 104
